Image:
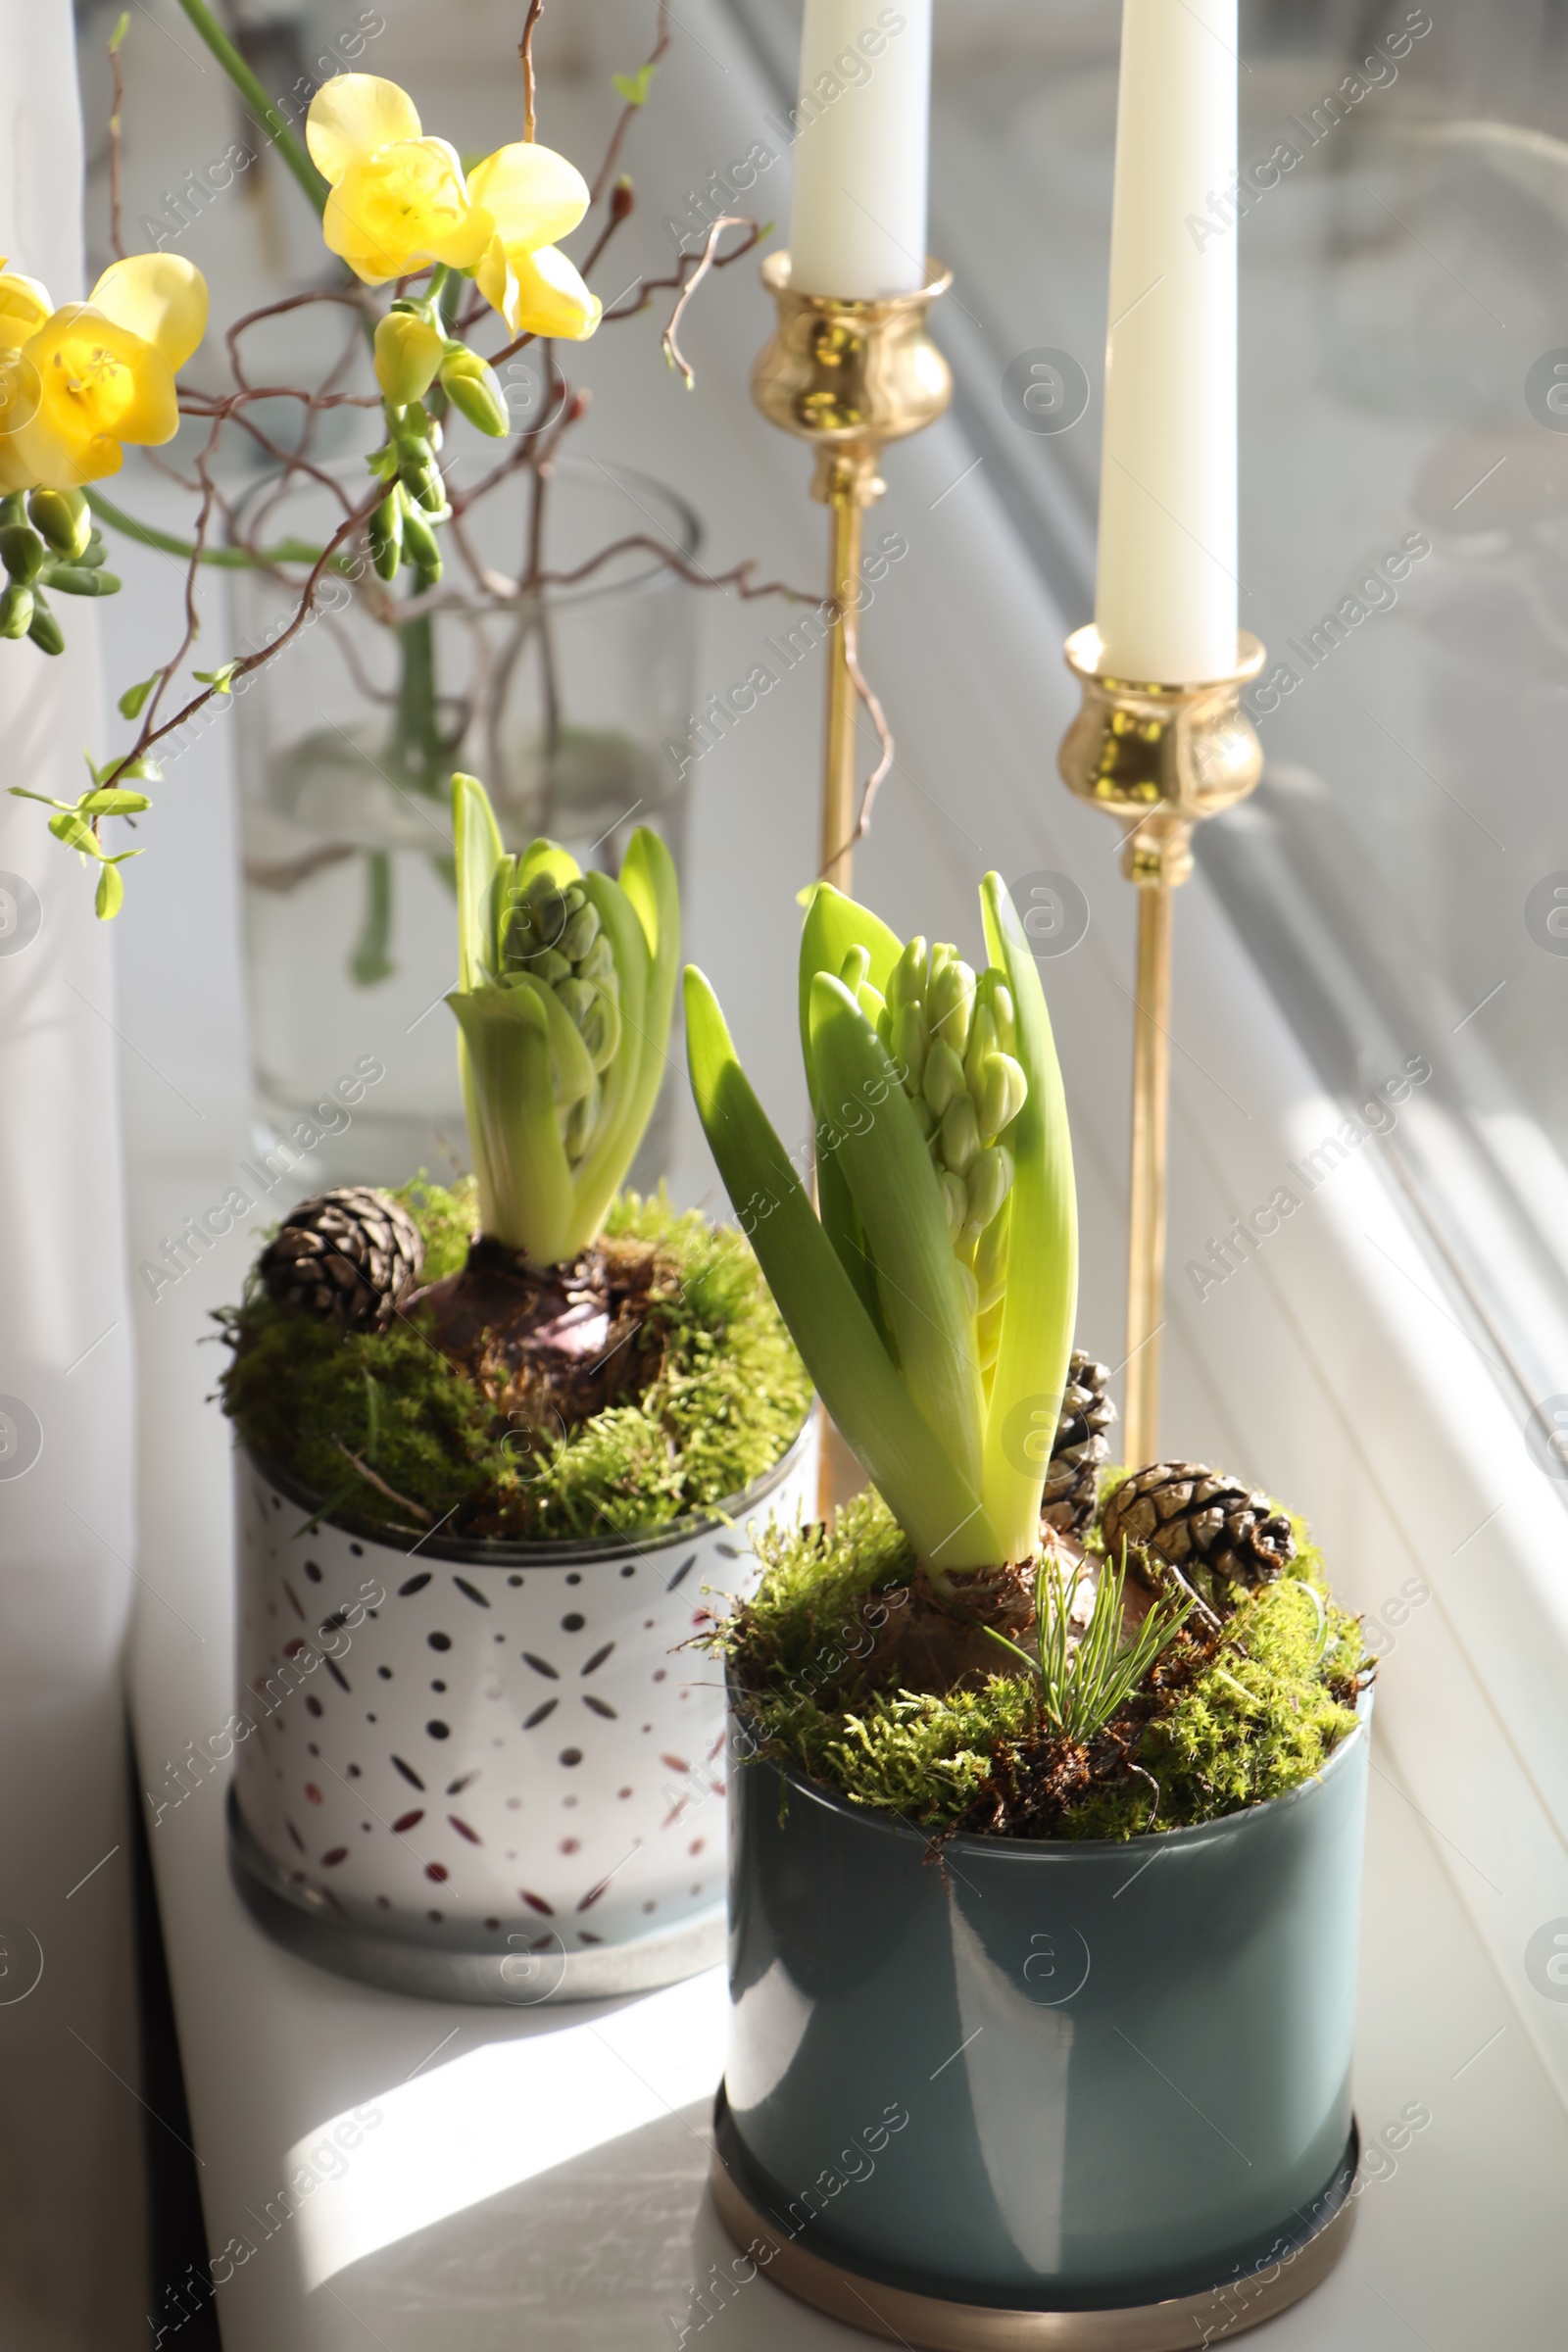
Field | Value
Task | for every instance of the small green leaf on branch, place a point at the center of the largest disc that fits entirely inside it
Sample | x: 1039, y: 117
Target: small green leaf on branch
x: 111, y: 799
x: 633, y: 87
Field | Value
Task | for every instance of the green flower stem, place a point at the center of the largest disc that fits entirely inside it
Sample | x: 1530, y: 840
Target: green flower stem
x: 256, y: 98
x: 228, y: 558
x: 370, y: 962
x: 417, y: 749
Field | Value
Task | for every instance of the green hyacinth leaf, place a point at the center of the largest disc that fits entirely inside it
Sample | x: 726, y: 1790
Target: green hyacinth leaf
x: 899, y: 1198
x: 526, y: 1187
x: 1041, y: 1277
x: 902, y: 1454
x: 834, y: 925
x: 478, y: 851
x: 640, y: 918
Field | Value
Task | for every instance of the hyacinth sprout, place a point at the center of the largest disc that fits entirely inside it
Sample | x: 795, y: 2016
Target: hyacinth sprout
x: 565, y: 988
x: 933, y: 1297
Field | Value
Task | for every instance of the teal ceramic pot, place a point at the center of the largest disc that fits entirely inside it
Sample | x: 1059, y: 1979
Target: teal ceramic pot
x: 1039, y: 2076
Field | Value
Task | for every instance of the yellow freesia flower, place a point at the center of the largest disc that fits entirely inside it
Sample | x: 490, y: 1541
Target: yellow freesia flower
x: 96, y: 374
x: 399, y: 199
x: 534, y: 196
x: 25, y: 305
x: 400, y: 202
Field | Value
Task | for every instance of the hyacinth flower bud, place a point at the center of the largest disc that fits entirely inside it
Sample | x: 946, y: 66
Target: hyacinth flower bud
x: 598, y: 967
x: 596, y: 1017
x: 961, y: 1133
x: 954, y: 1200
x: 989, y: 1181
x: 982, y: 1041
x: 1001, y: 1013
x: 949, y: 1004
x: 909, y: 1043
x: 473, y: 388
x: 408, y: 354
x: 942, y: 1078
x: 539, y: 916
x: 906, y: 982
x: 582, y: 929
x: 1002, y: 1093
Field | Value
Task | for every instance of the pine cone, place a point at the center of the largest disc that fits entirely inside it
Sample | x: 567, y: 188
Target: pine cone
x: 1217, y: 1533
x: 1073, y: 1478
x: 348, y: 1254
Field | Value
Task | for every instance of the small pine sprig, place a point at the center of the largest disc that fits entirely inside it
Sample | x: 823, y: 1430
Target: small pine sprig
x: 1082, y: 1690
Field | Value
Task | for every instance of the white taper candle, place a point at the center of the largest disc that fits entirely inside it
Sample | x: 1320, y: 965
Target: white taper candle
x: 1166, y: 602
x: 857, y: 222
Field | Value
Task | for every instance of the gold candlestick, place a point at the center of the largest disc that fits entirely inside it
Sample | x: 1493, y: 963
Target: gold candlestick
x: 1160, y: 759
x: 848, y: 377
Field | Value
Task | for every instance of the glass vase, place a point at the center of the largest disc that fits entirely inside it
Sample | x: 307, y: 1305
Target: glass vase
x: 561, y: 699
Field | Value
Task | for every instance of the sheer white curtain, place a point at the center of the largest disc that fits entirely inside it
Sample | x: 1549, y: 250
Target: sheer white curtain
x: 71, y: 2264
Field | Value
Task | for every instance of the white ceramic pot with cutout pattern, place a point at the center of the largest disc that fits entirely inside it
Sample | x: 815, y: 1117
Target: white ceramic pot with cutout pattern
x: 487, y: 1772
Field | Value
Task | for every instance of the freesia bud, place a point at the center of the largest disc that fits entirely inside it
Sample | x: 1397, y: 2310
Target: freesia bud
x: 408, y: 353
x: 21, y: 552
x: 473, y: 388
x: 44, y: 630
x: 16, y: 611
x: 64, y: 518
x: 954, y: 1200
x: 385, y: 534
x: 420, y: 546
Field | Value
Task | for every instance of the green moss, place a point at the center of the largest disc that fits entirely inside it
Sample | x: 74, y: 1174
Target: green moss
x: 446, y: 1216
x: 1223, y: 1724
x: 726, y: 1406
